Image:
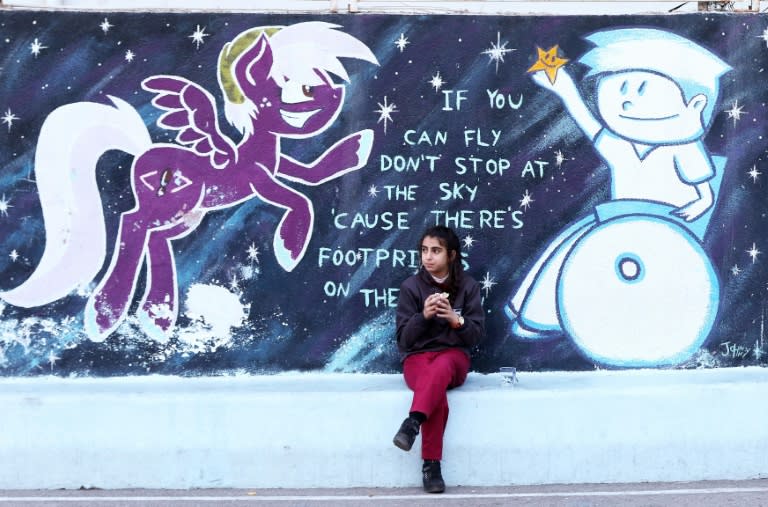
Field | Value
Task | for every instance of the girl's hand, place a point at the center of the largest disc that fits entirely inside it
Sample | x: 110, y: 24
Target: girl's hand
x: 431, y: 306
x: 445, y: 311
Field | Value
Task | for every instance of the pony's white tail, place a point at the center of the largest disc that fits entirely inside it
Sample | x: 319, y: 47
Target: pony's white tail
x: 72, y: 140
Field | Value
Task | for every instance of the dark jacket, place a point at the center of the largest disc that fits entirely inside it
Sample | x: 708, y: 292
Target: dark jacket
x: 417, y: 334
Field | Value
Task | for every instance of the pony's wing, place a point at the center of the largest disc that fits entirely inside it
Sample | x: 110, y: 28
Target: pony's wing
x: 192, y: 111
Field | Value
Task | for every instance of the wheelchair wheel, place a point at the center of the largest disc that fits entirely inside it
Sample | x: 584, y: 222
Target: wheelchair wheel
x: 638, y: 291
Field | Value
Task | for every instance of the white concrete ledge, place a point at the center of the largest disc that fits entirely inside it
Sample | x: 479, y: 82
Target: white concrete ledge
x: 334, y: 430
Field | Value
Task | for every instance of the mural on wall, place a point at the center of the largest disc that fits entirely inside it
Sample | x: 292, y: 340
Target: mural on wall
x: 272, y: 90
x: 224, y: 193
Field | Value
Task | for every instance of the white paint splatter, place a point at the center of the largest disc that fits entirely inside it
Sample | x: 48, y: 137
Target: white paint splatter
x: 214, y: 311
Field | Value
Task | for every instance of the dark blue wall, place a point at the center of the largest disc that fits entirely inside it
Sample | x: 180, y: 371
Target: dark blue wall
x: 464, y: 152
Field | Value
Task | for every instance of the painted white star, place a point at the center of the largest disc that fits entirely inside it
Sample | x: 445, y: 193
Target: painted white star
x: 129, y: 56
x: 437, y: 82
x: 497, y: 51
x: 754, y: 173
x: 385, y: 113
x: 468, y: 241
x: 36, y: 47
x: 373, y: 191
x: 401, y: 42
x: 559, y: 158
x: 753, y: 252
x: 234, y: 284
x: 764, y: 36
x: 253, y: 253
x: 105, y: 25
x: 736, y: 270
x: 198, y: 36
x: 247, y: 272
x: 4, y: 205
x: 526, y: 201
x: 14, y: 255
x: 487, y: 283
x: 735, y: 112
x: 52, y: 358
x: 9, y: 118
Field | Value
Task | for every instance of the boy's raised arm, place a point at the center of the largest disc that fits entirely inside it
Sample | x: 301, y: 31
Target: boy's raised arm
x: 566, y: 89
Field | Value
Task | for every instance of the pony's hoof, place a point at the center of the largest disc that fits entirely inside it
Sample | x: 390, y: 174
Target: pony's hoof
x: 284, y: 256
x: 291, y: 238
x: 365, y: 147
x: 91, y: 324
x: 156, y: 326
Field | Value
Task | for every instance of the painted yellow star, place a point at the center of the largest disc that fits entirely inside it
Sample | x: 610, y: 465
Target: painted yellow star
x: 549, y: 62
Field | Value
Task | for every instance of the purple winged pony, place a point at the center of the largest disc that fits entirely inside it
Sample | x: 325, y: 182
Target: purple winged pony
x: 276, y: 83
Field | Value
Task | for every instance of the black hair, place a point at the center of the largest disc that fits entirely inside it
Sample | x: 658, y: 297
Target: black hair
x: 448, y: 238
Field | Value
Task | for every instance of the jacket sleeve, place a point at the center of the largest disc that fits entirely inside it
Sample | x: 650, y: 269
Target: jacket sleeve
x: 411, y: 323
x: 473, y: 329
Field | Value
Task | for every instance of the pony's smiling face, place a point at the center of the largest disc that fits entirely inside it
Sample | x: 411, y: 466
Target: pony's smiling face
x: 276, y: 79
x: 306, y: 109
x: 649, y: 108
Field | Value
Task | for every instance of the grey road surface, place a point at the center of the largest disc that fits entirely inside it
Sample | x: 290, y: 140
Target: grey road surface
x: 700, y: 494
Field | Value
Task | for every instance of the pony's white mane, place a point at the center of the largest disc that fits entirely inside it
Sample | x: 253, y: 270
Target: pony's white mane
x: 301, y: 48
x: 297, y: 51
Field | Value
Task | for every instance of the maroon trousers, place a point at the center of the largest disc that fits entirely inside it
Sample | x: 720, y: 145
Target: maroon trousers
x: 430, y: 375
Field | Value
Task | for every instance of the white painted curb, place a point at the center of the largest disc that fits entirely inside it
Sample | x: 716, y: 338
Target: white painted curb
x: 305, y: 430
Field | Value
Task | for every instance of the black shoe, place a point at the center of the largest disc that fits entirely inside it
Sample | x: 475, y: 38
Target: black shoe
x: 407, y: 434
x: 433, y: 479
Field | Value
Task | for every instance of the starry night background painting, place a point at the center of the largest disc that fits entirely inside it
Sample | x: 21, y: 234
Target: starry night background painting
x: 452, y: 120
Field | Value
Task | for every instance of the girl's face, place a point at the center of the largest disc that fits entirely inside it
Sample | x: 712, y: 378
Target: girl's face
x: 435, y: 257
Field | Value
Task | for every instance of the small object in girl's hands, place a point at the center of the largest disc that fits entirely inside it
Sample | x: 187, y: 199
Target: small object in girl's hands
x: 445, y: 295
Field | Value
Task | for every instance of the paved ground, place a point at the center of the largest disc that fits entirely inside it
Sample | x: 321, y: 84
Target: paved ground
x: 699, y: 494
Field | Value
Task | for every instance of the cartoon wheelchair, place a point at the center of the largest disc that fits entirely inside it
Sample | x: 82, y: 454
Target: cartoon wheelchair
x: 632, y: 287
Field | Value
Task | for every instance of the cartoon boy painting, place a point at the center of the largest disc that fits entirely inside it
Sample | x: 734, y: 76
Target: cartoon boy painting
x: 655, y: 97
